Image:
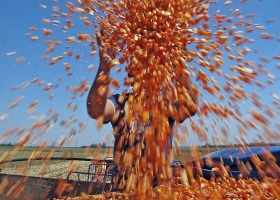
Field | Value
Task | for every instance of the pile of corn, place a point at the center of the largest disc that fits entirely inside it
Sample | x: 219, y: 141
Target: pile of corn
x: 219, y: 188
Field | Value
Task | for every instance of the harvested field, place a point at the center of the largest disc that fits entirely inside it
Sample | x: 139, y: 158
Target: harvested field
x: 56, y: 169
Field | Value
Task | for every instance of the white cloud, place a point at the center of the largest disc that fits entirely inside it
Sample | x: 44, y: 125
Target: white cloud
x: 33, y: 117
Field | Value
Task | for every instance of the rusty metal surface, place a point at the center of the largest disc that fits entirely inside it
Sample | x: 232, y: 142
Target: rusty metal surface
x: 26, y: 187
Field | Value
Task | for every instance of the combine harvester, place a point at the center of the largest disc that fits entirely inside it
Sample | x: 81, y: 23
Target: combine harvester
x: 97, y: 179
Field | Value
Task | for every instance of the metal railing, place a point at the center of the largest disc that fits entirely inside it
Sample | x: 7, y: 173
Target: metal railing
x: 100, y: 171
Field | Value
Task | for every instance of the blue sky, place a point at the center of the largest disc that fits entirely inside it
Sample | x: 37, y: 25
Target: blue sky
x: 17, y: 16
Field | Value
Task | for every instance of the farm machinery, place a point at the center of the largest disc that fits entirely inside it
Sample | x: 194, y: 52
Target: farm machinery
x: 98, y: 176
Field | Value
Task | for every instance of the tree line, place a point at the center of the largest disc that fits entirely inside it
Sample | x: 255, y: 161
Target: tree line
x: 208, y: 145
x: 6, y: 144
x: 103, y: 145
